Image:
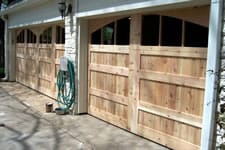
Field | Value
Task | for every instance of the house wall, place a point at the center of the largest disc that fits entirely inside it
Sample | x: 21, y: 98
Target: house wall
x: 38, y: 14
x: 88, y: 8
x: 48, y: 12
x: 87, y: 5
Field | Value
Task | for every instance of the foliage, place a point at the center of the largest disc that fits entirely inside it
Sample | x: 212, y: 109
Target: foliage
x: 5, y: 2
x: 220, y: 145
x: 1, y: 70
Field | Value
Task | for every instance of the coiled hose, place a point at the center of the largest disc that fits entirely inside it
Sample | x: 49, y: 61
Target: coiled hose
x: 66, y: 87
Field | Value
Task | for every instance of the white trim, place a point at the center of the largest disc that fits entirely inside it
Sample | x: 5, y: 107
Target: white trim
x: 140, y: 5
x: 214, y: 48
x: 83, y: 66
x: 21, y: 5
x: 37, y: 22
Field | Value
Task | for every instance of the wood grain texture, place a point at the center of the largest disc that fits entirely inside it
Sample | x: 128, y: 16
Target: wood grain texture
x: 160, y: 87
x: 37, y: 64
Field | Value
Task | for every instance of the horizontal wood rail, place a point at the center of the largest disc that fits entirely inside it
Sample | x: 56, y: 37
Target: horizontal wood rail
x: 165, y: 139
x: 109, y: 49
x: 119, y: 121
x: 45, y: 46
x: 187, y: 52
x: 31, y: 45
x: 109, y: 96
x: 59, y: 46
x: 122, y: 71
x: 171, y: 114
x: 173, y: 79
x: 47, y: 60
x: 20, y: 55
x: 45, y: 77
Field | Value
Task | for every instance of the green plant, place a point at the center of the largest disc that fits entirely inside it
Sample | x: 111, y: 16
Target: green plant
x: 1, y: 70
x: 5, y: 2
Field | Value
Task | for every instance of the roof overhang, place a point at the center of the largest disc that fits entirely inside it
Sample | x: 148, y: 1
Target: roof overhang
x: 147, y: 6
x: 21, y: 5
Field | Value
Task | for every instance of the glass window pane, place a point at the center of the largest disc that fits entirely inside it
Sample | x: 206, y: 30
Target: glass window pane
x: 123, y: 32
x: 195, y: 35
x: 171, y: 31
x: 96, y: 37
x: 108, y: 34
x: 150, y: 30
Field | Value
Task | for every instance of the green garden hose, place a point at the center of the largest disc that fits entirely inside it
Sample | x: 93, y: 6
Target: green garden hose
x: 66, y: 87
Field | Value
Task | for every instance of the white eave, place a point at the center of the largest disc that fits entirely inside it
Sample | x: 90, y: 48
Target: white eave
x: 140, y: 6
x: 20, y: 5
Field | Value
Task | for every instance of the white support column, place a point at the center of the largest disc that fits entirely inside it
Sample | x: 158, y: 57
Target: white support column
x: 213, y: 58
x: 71, y: 45
x: 12, y: 55
x: 83, y: 67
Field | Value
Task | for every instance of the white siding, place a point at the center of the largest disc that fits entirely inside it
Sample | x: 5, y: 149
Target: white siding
x: 87, y: 5
x: 47, y: 12
x: 88, y: 8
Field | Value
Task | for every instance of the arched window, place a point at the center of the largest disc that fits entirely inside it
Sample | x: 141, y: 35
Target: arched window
x: 117, y: 32
x: 20, y: 38
x: 31, y: 37
x: 195, y: 35
x: 169, y: 31
x: 46, y: 36
x: 60, y: 35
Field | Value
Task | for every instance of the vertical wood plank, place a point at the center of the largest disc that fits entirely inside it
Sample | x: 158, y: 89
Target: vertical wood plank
x: 25, y: 57
x: 134, y: 65
x: 37, y: 60
x: 53, y: 60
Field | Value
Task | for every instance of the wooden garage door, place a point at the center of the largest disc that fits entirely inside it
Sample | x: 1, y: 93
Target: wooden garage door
x: 37, y: 57
x: 153, y: 87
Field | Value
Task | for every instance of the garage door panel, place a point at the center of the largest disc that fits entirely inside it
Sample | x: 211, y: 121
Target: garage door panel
x: 122, y: 85
x: 184, y: 99
x: 160, y: 64
x: 110, y: 83
x: 110, y: 59
x: 161, y: 85
x: 45, y: 68
x: 44, y: 85
x: 192, y: 100
x: 38, y: 62
x: 20, y: 50
x: 31, y: 66
x: 108, y: 87
x: 45, y: 52
x: 59, y: 53
x: 158, y: 93
x: 193, y: 67
x: 31, y: 80
x: 20, y: 76
x: 31, y: 50
x: 170, y: 127
x: 109, y: 96
x: 109, y: 110
x: 20, y: 64
x: 109, y: 106
x: 175, y: 65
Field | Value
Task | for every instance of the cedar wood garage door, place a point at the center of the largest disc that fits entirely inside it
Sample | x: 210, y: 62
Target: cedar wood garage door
x: 147, y: 75
x: 38, y: 50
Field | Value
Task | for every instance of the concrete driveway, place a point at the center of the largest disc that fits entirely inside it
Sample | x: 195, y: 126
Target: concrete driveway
x: 24, y: 125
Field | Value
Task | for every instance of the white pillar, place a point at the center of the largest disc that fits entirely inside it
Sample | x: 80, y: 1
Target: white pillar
x: 214, y: 47
x: 83, y: 66
x: 11, y: 55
